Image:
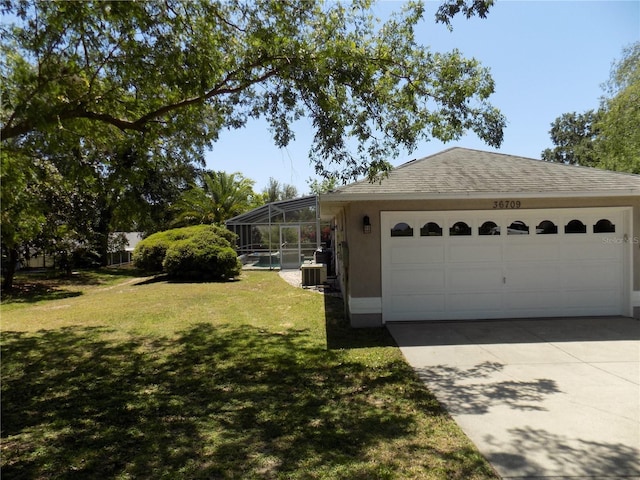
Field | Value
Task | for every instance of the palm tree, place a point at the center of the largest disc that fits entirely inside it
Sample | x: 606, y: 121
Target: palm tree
x: 275, y: 191
x: 219, y: 197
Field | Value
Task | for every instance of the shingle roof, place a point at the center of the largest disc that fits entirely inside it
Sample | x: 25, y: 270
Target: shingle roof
x: 469, y: 173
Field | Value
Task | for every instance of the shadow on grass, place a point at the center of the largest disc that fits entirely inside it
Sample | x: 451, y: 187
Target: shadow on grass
x: 216, y: 402
x: 36, y: 292
x: 32, y: 286
x: 164, y: 278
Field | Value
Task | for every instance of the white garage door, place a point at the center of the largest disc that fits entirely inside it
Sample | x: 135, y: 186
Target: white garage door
x: 504, y: 263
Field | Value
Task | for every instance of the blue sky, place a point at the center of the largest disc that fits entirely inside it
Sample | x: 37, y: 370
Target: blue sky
x: 546, y: 57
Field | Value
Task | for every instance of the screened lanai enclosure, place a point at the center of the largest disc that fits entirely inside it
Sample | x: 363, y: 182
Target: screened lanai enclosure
x: 282, y: 234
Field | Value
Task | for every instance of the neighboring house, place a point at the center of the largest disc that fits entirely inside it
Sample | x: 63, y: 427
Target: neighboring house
x: 40, y: 260
x: 467, y: 234
x: 122, y: 245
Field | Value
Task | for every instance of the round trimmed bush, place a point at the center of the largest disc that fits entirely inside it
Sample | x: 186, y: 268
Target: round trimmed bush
x: 149, y: 253
x: 202, y: 252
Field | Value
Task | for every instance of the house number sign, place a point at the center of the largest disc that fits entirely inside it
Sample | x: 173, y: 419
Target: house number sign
x: 506, y: 204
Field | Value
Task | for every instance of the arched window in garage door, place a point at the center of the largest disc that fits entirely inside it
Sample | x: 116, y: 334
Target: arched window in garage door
x: 402, y: 229
x: 575, y: 226
x: 546, y: 227
x: 489, y: 228
x: 460, y: 229
x: 431, y: 229
x: 518, y: 228
x: 604, y: 226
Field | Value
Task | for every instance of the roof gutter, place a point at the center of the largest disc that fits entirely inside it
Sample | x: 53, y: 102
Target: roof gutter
x: 372, y: 197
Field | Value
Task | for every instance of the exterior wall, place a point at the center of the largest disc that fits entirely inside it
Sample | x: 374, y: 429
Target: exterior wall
x: 40, y: 261
x: 363, y: 283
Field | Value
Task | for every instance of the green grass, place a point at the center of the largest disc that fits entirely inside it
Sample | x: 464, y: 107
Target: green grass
x: 131, y: 378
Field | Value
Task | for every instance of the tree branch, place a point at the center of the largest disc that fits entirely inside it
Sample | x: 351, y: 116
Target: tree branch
x: 217, y: 90
x: 9, y: 131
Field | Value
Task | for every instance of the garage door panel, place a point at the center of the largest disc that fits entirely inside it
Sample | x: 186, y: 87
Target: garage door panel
x: 592, y: 276
x: 593, y: 300
x: 537, y: 276
x: 418, y: 281
x: 527, y: 249
x: 475, y: 278
x: 474, y: 302
x: 413, y: 307
x: 417, y: 254
x: 474, y: 253
x: 538, y: 301
x: 610, y: 248
x: 588, y: 250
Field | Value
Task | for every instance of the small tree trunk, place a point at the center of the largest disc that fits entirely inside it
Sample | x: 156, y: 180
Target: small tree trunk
x: 12, y: 264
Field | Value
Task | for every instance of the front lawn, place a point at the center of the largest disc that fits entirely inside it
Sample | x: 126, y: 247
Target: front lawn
x: 128, y: 378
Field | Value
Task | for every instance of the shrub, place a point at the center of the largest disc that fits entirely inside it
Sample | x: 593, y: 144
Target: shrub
x: 201, y: 252
x: 190, y: 259
x: 149, y: 253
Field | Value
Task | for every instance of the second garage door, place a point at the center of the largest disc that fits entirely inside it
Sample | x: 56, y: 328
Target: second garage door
x: 504, y: 263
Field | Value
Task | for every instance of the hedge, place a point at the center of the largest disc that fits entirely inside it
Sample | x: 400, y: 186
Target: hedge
x: 202, y: 252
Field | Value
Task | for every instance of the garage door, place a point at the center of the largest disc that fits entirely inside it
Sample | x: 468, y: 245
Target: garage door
x: 504, y: 263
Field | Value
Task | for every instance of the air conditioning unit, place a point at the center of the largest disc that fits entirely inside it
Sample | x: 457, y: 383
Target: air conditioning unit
x: 313, y: 274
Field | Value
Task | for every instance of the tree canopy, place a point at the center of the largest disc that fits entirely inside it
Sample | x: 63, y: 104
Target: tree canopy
x: 200, y: 66
x: 573, y: 135
x: 618, y: 143
x: 609, y: 137
x: 217, y: 197
x: 118, y: 101
x: 276, y: 191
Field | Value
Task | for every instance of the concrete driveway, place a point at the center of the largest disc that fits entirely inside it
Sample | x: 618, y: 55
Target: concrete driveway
x: 539, y: 397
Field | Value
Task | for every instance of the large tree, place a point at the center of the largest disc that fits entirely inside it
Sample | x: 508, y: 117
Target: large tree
x: 100, y: 183
x: 21, y: 211
x: 573, y: 135
x: 200, y: 66
x: 120, y: 98
x: 618, y: 141
x: 609, y: 137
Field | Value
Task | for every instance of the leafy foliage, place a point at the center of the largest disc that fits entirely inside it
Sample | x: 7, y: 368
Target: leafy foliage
x: 220, y: 197
x: 573, y: 135
x: 153, y: 67
x: 618, y: 145
x: 325, y: 186
x: 40, y: 211
x: 149, y: 252
x: 450, y: 8
x: 276, y: 191
x: 199, y: 252
x: 608, y: 138
x: 201, y: 256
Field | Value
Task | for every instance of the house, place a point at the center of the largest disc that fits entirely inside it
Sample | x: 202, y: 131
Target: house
x: 468, y: 234
x: 121, y: 247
